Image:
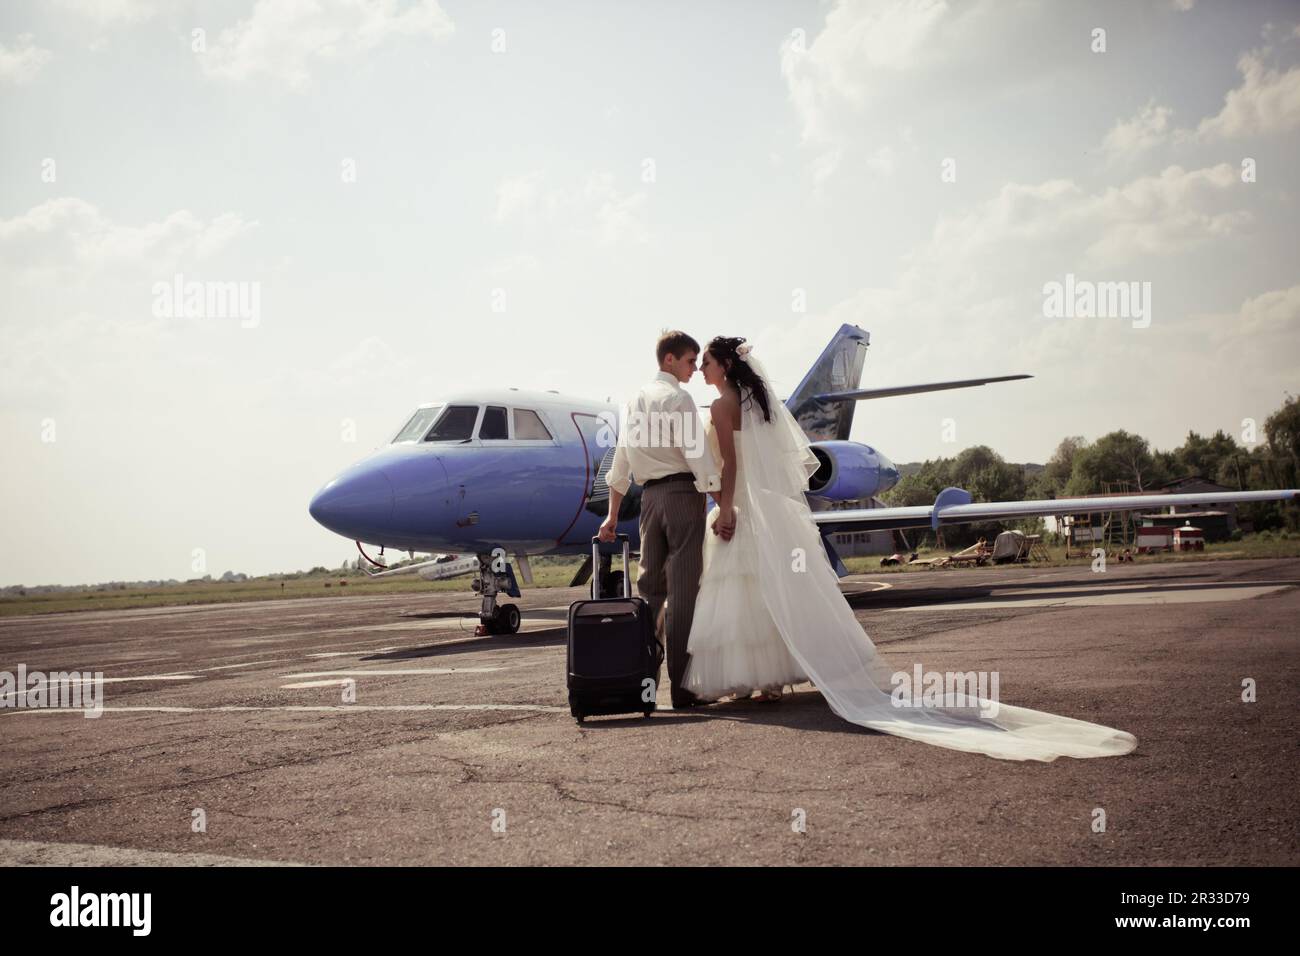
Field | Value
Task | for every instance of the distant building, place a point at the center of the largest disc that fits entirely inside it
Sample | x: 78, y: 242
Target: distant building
x: 1085, y: 529
x: 1215, y: 524
x: 853, y: 544
x: 1218, y: 520
x: 1214, y: 517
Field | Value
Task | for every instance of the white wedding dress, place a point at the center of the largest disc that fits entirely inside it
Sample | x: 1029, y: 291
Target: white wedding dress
x: 734, y: 645
x: 770, y: 611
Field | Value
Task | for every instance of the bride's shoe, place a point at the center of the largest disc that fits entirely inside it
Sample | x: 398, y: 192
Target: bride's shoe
x: 768, y: 696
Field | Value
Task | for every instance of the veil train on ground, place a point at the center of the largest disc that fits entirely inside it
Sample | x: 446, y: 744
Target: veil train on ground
x: 801, y: 591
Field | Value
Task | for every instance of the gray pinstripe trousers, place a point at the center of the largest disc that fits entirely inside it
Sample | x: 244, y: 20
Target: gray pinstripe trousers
x: 672, y: 559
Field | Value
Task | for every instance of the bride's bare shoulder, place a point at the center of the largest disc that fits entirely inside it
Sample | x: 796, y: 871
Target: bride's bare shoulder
x: 726, y: 411
x: 726, y: 404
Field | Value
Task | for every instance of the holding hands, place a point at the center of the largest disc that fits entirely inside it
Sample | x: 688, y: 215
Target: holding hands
x: 724, y: 525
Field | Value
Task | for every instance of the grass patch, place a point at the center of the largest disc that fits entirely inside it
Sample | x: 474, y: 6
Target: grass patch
x: 552, y: 572
x: 1251, y: 546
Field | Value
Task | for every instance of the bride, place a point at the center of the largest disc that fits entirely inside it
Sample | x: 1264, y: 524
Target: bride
x: 770, y: 611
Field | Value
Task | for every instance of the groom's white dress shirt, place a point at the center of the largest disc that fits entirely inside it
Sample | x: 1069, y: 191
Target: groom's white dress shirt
x: 663, y: 400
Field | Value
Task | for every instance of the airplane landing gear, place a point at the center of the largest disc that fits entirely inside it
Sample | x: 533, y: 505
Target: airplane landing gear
x: 611, y: 582
x: 508, y: 619
x: 494, y: 618
x: 612, y: 586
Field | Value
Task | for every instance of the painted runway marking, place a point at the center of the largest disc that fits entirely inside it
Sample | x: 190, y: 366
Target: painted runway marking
x: 123, y: 680
x: 395, y: 672
x: 1086, y: 599
x: 361, y: 651
x: 377, y: 650
x: 15, y: 694
x: 228, y: 667
x: 127, y: 659
x: 32, y: 853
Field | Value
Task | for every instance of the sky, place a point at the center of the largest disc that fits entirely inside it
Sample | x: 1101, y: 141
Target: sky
x: 418, y: 197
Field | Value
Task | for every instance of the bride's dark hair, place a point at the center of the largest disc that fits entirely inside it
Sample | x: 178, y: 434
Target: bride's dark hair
x: 739, y: 372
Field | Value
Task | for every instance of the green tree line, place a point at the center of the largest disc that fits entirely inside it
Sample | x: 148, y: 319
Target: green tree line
x: 1119, y: 461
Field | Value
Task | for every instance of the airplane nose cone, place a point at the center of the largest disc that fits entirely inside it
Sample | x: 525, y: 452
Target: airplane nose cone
x: 888, y: 475
x: 354, y: 503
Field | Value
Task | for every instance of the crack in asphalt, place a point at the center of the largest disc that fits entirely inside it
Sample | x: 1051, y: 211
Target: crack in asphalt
x: 362, y: 746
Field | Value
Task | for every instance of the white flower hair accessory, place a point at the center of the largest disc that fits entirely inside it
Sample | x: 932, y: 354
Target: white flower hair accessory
x: 742, y: 351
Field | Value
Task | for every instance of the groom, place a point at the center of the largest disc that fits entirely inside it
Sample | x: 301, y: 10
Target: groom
x: 663, y: 447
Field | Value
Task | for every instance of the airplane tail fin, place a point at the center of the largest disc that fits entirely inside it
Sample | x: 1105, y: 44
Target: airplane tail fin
x: 838, y: 369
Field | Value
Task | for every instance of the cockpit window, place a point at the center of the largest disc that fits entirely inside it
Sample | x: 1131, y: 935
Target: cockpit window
x: 418, y: 426
x: 528, y: 426
x: 456, y: 424
x: 494, y: 424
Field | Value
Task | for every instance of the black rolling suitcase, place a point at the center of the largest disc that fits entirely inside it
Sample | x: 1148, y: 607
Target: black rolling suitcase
x: 614, y: 653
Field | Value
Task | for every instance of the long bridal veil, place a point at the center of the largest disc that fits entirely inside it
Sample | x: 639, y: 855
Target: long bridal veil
x: 802, y: 594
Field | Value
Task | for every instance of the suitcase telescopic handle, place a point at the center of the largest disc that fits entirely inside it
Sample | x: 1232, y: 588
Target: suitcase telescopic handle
x: 627, y: 565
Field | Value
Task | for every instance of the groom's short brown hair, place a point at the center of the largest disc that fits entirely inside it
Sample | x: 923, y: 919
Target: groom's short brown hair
x: 676, y: 342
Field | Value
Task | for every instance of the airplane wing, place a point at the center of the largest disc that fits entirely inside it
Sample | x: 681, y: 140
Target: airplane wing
x: 954, y: 506
x: 859, y: 394
x: 433, y: 570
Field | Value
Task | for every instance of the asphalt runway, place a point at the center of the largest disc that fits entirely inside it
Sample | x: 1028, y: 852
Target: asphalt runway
x: 461, y: 750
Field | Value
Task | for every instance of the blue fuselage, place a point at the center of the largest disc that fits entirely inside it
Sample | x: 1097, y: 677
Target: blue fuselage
x: 473, y: 495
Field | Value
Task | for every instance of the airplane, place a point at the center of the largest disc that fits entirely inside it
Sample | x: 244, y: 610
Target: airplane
x: 494, y: 472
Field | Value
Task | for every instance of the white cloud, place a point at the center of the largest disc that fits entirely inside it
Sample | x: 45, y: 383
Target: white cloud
x: 1252, y: 348
x: 598, y: 208
x: 969, y: 298
x: 517, y: 194
x: 859, y: 39
x: 71, y: 236
x: 1152, y: 215
x: 824, y: 166
x: 870, y: 55
x: 286, y: 39
x: 21, y: 62
x: 1182, y: 6
x: 524, y: 265
x: 1164, y: 214
x: 372, y: 361
x: 882, y: 161
x: 115, y: 11
x: 59, y: 359
x: 1268, y: 101
x: 619, y: 216
x: 981, y: 272
x: 1271, y: 313
x: 1146, y: 129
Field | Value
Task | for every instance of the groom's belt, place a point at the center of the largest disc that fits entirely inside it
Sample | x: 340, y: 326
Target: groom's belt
x: 679, y: 476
